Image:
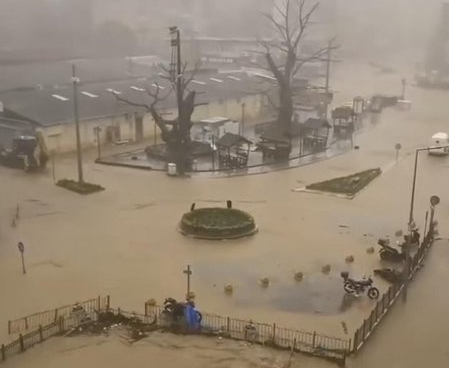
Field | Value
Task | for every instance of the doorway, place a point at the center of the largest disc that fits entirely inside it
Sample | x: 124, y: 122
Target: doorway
x: 139, y: 127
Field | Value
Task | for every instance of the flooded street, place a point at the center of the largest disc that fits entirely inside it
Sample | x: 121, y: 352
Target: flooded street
x: 124, y: 241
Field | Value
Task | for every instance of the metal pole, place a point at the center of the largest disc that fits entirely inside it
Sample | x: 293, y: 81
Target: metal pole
x: 243, y: 119
x: 75, y: 82
x: 53, y: 169
x: 328, y: 69
x: 412, y: 201
x: 425, y: 224
x: 23, y: 263
x: 188, y: 272
x: 98, y: 142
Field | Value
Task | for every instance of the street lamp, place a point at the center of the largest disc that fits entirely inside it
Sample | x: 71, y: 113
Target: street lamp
x: 411, y: 222
x: 75, y: 82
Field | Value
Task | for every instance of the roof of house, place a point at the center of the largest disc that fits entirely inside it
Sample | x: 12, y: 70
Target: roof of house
x: 50, y: 105
x: 231, y: 140
x: 275, y: 135
x: 315, y: 124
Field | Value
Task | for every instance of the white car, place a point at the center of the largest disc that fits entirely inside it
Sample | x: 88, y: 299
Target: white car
x: 439, y: 140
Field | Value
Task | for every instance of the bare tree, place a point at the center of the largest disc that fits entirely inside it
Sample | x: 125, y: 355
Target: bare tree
x: 291, y: 23
x: 175, y: 133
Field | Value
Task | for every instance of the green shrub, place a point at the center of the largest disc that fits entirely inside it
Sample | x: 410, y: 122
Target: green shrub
x: 80, y: 188
x: 220, y: 223
x: 349, y: 185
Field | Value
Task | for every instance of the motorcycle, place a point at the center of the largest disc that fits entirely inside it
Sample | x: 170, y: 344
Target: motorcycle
x: 354, y: 286
x: 388, y: 253
x: 174, y: 313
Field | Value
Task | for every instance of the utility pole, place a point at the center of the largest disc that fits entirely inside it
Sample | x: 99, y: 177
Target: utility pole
x: 328, y: 71
x: 75, y: 82
x: 179, y: 79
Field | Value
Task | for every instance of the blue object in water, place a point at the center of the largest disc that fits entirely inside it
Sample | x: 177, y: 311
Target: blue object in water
x: 193, y: 317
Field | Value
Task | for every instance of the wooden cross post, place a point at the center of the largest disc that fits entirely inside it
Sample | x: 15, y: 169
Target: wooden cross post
x: 188, y: 272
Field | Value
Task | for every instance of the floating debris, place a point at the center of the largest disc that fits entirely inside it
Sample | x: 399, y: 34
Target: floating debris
x: 265, y: 282
x: 349, y: 259
x: 345, y: 327
x: 326, y: 269
x: 152, y: 302
x: 229, y: 289
x: 370, y: 250
x: 398, y: 233
x: 299, y: 276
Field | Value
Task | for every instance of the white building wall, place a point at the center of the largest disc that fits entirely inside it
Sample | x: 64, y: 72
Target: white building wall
x: 61, y: 138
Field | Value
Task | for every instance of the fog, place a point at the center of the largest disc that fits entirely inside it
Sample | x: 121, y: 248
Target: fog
x: 73, y: 28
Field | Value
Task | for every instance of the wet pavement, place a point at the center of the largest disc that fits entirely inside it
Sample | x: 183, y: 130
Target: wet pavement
x: 124, y: 241
x: 203, y: 166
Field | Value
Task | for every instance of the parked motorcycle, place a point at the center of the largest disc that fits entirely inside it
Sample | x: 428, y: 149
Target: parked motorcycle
x: 354, y: 286
x: 388, y: 253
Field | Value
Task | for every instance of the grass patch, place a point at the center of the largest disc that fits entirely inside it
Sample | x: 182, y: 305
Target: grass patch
x: 348, y: 185
x: 217, y: 223
x: 80, y: 188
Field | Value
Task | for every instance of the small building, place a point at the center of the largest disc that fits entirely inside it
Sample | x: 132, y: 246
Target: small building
x: 233, y: 151
x: 212, y: 129
x: 51, y: 107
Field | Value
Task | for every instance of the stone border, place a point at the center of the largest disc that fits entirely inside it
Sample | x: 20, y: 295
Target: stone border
x: 231, y: 237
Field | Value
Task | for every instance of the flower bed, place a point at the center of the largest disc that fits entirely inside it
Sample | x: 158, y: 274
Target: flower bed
x: 348, y: 185
x: 217, y: 223
x: 80, y: 188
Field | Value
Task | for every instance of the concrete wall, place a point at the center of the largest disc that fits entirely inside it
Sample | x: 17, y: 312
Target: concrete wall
x: 61, y: 138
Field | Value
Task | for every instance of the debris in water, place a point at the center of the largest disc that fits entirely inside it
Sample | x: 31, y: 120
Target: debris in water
x: 349, y: 259
x: 398, y: 233
x: 265, y: 282
x: 228, y: 289
x: 152, y: 302
x: 370, y: 250
x: 345, y: 327
x: 326, y: 269
x: 299, y: 276
x: 345, y: 226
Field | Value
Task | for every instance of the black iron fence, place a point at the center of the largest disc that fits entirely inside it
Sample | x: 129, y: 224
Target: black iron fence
x: 362, y: 334
x: 46, y: 318
x: 42, y: 333
x: 312, y: 343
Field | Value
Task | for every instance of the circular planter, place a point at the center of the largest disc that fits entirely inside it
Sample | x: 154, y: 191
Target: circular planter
x: 217, y: 224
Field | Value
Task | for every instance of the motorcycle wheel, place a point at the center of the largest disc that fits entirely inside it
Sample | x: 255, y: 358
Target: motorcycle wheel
x: 349, y: 288
x: 384, y: 255
x: 373, y: 293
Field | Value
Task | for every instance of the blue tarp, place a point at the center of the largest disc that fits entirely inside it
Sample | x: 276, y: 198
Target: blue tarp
x: 192, y: 316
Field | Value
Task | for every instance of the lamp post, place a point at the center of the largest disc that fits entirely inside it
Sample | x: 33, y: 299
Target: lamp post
x: 75, y: 82
x: 411, y: 222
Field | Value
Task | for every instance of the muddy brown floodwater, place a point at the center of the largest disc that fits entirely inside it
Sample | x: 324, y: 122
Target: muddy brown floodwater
x: 124, y: 241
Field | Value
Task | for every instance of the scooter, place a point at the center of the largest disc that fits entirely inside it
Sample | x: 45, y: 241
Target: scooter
x: 354, y: 286
x: 388, y: 253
